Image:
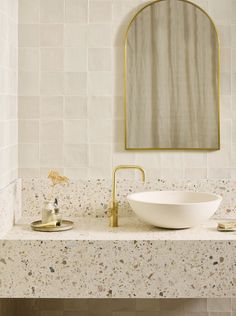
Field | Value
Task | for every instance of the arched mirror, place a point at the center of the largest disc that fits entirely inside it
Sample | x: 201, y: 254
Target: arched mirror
x: 172, y: 78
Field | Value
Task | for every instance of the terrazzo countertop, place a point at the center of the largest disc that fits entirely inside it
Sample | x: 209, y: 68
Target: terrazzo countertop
x: 134, y: 260
x: 130, y: 228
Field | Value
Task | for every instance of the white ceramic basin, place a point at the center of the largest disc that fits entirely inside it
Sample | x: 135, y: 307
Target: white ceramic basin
x: 174, y: 209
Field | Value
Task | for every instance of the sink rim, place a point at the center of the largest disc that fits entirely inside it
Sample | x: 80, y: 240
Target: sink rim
x: 214, y: 197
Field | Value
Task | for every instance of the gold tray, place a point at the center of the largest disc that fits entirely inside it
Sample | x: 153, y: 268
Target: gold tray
x: 66, y: 225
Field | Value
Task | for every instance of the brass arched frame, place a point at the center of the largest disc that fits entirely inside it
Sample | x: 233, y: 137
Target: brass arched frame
x: 125, y: 77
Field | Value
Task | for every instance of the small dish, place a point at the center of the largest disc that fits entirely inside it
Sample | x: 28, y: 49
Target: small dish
x: 65, y: 225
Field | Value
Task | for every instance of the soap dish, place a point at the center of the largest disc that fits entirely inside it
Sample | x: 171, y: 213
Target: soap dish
x: 65, y: 225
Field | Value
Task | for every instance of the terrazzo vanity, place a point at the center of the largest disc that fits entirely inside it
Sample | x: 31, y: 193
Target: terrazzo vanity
x: 133, y: 260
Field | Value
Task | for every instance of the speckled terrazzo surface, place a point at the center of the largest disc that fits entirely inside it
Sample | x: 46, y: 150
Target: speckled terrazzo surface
x: 131, y: 228
x: 92, y: 197
x: 135, y: 260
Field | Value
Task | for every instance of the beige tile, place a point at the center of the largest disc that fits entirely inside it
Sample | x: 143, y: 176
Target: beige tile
x: 100, y: 131
x: 100, y: 107
x: 51, y: 107
x: 121, y: 313
x: 195, y: 173
x: 100, y: 11
x: 225, y: 58
x: 75, y: 131
x: 29, y: 173
x: 224, y: 35
x: 99, y: 59
x: 76, y: 11
x: 51, y: 35
x: 28, y: 107
x: 28, y: 11
x: 29, y: 59
x: 76, y: 173
x: 171, y: 305
x: 234, y: 83
x: 221, y: 13
x: 233, y: 35
x: 99, y: 35
x: 233, y: 304
x: 51, y: 155
x: 75, y: 83
x: 100, y: 156
x: 76, y: 35
x: 218, y: 173
x: 28, y: 131
x: 28, y: 35
x: 51, y: 83
x: 29, y: 155
x: 51, y: 11
x: 75, y: 59
x: 28, y: 83
x: 225, y: 83
x: 51, y: 131
x: 100, y: 84
x: 75, y: 107
x: 76, y: 156
x: 226, y: 107
x: 52, y: 59
x: 195, y: 160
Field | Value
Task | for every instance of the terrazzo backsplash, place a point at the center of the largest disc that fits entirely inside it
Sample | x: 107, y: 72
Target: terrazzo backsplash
x: 92, y: 197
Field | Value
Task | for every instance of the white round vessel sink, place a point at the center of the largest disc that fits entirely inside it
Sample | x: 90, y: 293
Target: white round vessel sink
x: 174, y: 209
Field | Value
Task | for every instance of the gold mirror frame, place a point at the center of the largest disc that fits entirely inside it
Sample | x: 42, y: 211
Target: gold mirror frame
x: 125, y: 78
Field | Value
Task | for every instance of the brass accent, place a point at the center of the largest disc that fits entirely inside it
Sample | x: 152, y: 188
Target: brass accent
x: 125, y: 78
x: 65, y: 225
x: 113, y: 211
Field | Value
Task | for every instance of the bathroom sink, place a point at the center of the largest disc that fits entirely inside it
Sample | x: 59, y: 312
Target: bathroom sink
x: 174, y: 209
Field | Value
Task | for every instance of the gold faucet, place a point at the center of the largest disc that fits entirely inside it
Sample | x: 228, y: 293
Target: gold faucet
x: 114, y: 203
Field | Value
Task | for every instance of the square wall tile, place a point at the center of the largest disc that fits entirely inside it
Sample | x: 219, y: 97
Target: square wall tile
x: 100, y: 156
x: 29, y: 59
x: 75, y: 107
x: 75, y: 59
x: 75, y: 131
x: 51, y: 131
x: 28, y: 11
x: 51, y: 107
x: 28, y: 107
x: 76, y: 83
x: 51, y: 35
x: 29, y: 155
x: 28, y: 131
x: 100, y: 84
x: 52, y: 59
x: 51, y: 11
x: 100, y: 11
x: 51, y: 155
x: 99, y: 59
x: 28, y: 83
x: 76, y: 156
x: 76, y: 35
x: 99, y: 35
x: 28, y: 35
x: 76, y: 11
x: 51, y: 83
x: 100, y: 107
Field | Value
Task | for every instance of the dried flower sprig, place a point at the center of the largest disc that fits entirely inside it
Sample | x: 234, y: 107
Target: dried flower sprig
x: 55, y: 177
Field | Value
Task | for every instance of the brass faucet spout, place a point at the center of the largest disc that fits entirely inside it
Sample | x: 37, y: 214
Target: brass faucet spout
x: 114, y: 206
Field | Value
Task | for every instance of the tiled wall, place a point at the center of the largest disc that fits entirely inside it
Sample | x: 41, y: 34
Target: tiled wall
x: 71, y: 87
x: 8, y: 91
x: 119, y: 307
